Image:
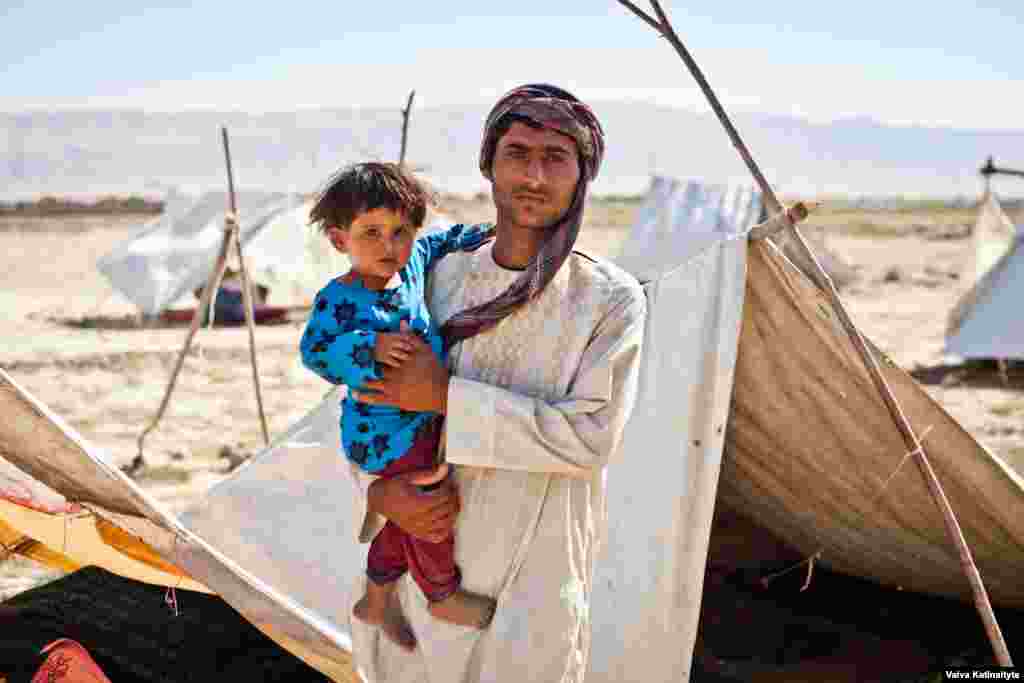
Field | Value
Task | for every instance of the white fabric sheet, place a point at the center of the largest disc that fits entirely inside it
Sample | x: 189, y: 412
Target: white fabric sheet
x: 661, y: 491
x: 173, y: 255
x: 987, y: 321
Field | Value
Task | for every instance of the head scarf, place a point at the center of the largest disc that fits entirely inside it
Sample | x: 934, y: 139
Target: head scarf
x: 558, y: 110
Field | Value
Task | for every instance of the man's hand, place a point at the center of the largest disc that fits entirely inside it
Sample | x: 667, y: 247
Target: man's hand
x: 419, y: 383
x: 393, y: 348
x: 429, y: 516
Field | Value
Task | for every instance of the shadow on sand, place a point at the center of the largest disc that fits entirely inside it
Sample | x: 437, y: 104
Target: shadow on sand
x: 169, y: 319
x: 978, y: 374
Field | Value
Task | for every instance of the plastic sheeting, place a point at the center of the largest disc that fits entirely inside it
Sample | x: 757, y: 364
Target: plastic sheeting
x: 39, y: 443
x: 661, y: 491
x: 173, y: 255
x: 987, y: 322
x: 992, y: 236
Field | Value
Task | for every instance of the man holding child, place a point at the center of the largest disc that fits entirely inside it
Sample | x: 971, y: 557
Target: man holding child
x: 542, y: 375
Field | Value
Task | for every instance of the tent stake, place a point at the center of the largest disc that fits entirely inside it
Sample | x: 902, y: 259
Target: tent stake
x: 981, y: 599
x: 250, y: 321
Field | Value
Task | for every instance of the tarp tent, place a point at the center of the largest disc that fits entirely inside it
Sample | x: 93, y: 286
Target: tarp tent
x: 673, y: 206
x: 172, y: 255
x: 987, y: 322
x: 750, y: 394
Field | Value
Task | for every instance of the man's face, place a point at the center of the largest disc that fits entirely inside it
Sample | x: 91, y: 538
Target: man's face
x: 535, y: 174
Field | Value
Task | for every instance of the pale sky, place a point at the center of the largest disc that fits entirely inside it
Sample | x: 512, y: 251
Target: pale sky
x: 899, y: 61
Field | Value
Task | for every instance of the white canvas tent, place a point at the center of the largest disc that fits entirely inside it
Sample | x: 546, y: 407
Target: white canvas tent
x: 173, y: 255
x: 674, y: 206
x: 277, y: 542
x: 987, y: 322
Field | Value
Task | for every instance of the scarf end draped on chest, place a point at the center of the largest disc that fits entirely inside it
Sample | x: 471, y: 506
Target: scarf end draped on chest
x: 556, y: 109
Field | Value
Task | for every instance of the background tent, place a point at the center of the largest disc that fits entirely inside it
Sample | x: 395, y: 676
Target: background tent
x: 673, y: 207
x: 987, y: 322
x: 173, y: 255
x: 751, y: 398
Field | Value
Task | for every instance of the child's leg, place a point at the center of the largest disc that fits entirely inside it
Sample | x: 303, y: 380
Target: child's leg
x: 379, y: 606
x: 433, y: 568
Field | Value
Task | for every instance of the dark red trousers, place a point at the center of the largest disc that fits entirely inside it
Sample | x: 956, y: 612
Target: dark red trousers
x: 393, y: 552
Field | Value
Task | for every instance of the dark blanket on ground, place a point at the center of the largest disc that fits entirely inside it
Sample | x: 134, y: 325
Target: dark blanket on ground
x: 134, y: 635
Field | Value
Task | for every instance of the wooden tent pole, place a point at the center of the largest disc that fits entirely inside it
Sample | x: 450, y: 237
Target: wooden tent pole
x: 232, y: 238
x: 981, y: 599
x: 405, y: 127
x: 212, y: 282
x: 250, y: 322
x: 990, y: 169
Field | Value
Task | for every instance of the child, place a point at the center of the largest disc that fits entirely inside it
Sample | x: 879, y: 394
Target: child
x: 371, y: 211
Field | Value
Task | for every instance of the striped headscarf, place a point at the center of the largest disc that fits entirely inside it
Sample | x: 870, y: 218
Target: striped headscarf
x: 558, y: 110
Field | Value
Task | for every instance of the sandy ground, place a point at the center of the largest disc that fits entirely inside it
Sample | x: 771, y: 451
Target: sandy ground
x: 108, y: 383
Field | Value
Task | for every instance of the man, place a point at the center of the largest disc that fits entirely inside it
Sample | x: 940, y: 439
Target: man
x: 545, y: 349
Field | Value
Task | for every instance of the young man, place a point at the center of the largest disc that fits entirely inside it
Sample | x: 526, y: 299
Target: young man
x: 545, y: 350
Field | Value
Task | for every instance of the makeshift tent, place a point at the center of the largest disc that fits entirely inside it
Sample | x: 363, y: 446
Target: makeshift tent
x: 987, y: 322
x: 668, y: 208
x: 751, y: 394
x: 173, y: 255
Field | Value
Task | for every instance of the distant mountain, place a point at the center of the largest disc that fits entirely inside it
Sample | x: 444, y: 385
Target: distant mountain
x: 90, y: 153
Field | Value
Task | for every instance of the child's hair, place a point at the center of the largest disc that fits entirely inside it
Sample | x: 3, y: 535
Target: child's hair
x: 363, y: 187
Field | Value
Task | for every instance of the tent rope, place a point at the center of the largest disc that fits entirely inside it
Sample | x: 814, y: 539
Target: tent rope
x: 981, y: 600
x: 816, y: 555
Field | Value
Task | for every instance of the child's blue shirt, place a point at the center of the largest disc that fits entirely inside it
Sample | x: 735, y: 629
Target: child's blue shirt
x: 341, y: 337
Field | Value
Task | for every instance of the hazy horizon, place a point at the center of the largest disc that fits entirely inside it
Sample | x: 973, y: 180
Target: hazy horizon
x: 96, y: 153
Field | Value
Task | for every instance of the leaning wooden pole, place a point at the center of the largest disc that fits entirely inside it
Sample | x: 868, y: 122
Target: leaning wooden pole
x: 981, y: 599
x: 406, y: 113
x: 250, y: 321
x: 212, y: 283
x: 990, y: 169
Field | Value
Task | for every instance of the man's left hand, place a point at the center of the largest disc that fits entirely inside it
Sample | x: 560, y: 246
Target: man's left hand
x: 420, y: 384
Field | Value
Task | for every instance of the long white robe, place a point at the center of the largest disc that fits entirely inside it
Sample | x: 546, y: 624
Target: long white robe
x: 535, y: 409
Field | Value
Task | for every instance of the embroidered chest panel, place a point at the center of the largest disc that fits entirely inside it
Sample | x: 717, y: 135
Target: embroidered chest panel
x: 536, y: 350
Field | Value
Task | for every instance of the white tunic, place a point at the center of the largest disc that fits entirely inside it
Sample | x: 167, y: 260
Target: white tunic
x: 535, y: 408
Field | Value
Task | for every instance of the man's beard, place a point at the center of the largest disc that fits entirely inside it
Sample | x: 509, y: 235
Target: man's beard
x: 510, y: 204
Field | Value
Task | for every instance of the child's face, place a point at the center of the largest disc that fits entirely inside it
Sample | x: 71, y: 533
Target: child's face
x: 378, y: 243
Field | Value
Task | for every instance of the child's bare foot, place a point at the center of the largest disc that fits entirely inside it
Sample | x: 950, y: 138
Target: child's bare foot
x: 380, y: 607
x: 465, y: 609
